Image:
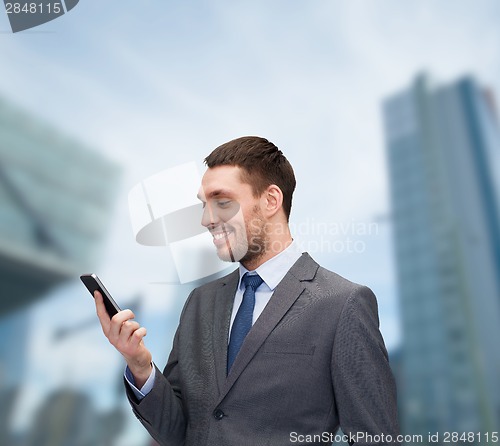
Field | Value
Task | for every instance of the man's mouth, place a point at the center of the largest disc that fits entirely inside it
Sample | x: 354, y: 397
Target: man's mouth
x: 220, y: 237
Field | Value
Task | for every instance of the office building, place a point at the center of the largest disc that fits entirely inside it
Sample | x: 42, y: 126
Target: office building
x: 56, y: 200
x: 443, y: 147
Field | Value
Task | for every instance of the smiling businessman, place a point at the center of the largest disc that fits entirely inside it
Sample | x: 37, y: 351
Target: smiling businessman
x: 280, y: 345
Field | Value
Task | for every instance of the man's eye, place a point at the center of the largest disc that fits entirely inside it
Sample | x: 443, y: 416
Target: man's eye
x: 223, y: 204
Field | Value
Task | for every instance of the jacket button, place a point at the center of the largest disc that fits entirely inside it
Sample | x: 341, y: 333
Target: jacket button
x: 218, y: 414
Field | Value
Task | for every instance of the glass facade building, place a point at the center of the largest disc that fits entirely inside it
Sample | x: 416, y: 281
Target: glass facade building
x: 56, y: 199
x: 443, y: 147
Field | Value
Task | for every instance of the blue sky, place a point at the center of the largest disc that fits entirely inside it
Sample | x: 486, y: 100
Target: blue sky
x: 153, y: 84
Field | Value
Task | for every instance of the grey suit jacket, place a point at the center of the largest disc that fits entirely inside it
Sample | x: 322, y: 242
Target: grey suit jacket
x: 313, y: 360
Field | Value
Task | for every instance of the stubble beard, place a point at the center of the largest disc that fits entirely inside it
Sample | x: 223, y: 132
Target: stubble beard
x: 255, y: 246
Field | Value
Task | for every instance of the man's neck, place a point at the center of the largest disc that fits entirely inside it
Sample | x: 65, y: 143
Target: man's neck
x: 274, y: 247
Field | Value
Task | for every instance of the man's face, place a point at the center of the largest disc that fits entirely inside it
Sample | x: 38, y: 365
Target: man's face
x: 232, y: 215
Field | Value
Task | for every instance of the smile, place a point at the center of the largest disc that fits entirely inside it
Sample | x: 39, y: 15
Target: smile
x: 221, y: 236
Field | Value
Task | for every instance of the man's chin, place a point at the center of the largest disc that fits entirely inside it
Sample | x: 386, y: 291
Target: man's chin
x: 225, y: 258
x: 225, y: 255
x: 229, y: 255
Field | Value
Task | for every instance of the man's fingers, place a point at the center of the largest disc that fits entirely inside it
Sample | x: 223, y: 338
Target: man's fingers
x: 116, y: 324
x: 123, y: 333
x: 137, y: 336
x: 127, y: 330
x: 129, y: 341
x: 113, y: 327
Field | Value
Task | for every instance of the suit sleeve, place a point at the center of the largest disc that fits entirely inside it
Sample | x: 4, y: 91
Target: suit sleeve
x: 162, y: 411
x: 363, y: 383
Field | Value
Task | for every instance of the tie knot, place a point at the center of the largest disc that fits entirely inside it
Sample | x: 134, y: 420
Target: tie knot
x: 253, y: 281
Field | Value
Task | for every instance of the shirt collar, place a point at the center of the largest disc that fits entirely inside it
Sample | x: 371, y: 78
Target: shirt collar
x: 273, y: 271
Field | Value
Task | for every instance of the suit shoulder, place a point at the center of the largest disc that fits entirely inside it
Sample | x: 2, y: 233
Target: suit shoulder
x: 217, y: 283
x: 353, y: 297
x: 336, y: 280
x: 329, y: 283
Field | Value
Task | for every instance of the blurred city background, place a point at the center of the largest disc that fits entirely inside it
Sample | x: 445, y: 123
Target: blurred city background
x: 387, y: 111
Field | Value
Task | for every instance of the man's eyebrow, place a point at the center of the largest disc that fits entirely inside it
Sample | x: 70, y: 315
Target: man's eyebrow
x: 216, y: 193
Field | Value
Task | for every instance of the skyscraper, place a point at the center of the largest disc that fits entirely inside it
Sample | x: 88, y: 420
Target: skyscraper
x: 56, y: 199
x: 443, y: 145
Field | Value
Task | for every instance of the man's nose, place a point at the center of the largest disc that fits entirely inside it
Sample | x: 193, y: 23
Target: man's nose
x: 209, y: 217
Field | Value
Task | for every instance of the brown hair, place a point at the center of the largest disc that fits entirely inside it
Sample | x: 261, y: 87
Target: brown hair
x: 262, y: 164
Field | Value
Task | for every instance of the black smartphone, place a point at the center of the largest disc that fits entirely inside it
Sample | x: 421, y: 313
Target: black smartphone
x: 92, y: 282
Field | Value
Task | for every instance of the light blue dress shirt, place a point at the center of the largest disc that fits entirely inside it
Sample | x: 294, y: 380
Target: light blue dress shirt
x: 271, y: 272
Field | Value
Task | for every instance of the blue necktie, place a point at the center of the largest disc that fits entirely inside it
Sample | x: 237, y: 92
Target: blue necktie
x: 243, y: 321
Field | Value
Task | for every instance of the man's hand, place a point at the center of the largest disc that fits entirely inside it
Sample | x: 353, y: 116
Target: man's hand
x: 126, y: 335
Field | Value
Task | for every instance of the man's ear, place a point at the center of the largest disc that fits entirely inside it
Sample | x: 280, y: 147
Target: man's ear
x: 273, y: 200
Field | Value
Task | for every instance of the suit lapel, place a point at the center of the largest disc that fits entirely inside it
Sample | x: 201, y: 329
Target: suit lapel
x: 223, y: 306
x: 284, y: 296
